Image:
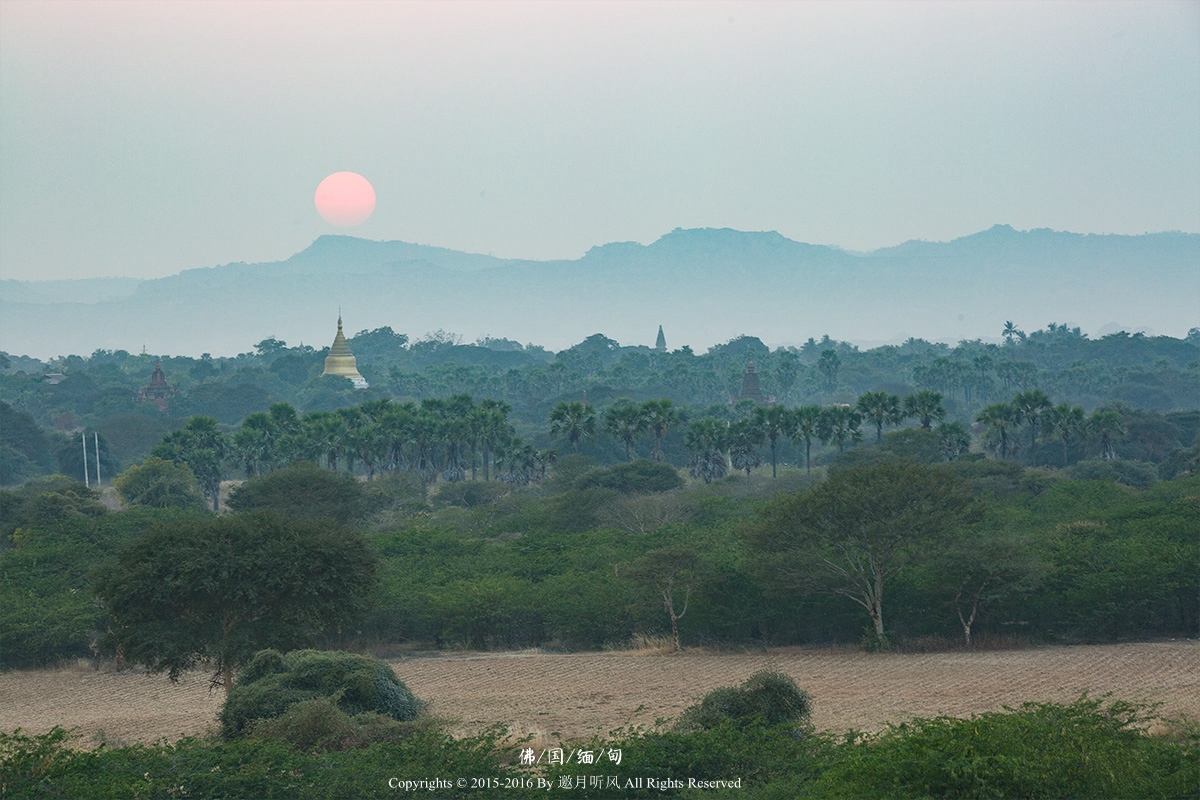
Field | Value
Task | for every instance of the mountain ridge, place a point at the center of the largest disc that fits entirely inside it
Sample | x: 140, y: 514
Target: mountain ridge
x: 705, y: 285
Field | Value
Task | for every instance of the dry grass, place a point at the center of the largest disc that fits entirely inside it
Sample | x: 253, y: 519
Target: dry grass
x: 557, y: 697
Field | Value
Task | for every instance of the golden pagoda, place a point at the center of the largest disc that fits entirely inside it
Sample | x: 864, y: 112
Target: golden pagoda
x: 341, y: 361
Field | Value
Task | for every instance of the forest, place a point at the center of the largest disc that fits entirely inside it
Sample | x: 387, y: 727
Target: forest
x: 495, y: 496
x: 555, y: 511
x: 1152, y: 382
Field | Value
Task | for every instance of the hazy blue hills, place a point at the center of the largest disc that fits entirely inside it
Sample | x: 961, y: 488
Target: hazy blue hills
x: 704, y: 286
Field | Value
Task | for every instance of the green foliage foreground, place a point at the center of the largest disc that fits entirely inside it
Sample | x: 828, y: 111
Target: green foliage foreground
x: 272, y: 683
x: 1086, y: 749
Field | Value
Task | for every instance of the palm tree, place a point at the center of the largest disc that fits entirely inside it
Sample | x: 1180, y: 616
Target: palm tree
x: 490, y: 421
x: 806, y: 426
x: 953, y: 440
x: 661, y: 416
x: 573, y: 420
x: 999, y: 417
x: 254, y: 444
x: 745, y: 436
x: 880, y: 408
x: 203, y: 447
x: 1064, y: 420
x: 707, y: 439
x: 625, y: 422
x: 1108, y: 424
x: 1028, y: 407
x: 839, y: 424
x: 926, y: 406
x: 774, y: 422
x: 326, y: 430
x: 1011, y: 332
x: 828, y: 364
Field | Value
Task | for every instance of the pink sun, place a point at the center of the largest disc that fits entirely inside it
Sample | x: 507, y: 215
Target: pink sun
x: 345, y: 199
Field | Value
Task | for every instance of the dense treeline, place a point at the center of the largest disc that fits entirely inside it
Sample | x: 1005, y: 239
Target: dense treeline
x: 1146, y: 379
x: 582, y: 559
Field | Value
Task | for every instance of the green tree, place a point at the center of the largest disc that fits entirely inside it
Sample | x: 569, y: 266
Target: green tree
x: 839, y: 424
x: 1108, y: 425
x: 625, y: 422
x: 219, y: 589
x: 303, y: 490
x: 1028, y: 408
x: 1000, y: 419
x: 856, y: 531
x: 979, y: 569
x: 745, y: 436
x: 573, y: 421
x: 707, y: 439
x: 880, y: 408
x: 1012, y: 334
x: 491, y: 425
x: 953, y: 440
x: 159, y: 484
x: 672, y: 574
x: 1064, y: 421
x: 203, y: 447
x: 661, y: 417
x: 828, y: 364
x: 775, y: 422
x: 806, y: 426
x: 926, y: 406
x: 787, y: 369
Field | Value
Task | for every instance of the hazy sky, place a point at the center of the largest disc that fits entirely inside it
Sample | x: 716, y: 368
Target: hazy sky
x: 139, y: 139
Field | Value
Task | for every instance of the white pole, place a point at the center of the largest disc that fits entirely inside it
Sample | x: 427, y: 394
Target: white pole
x: 96, y: 442
x: 86, y: 482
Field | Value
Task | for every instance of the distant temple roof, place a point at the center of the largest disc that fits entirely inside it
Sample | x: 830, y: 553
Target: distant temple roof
x: 660, y: 343
x: 750, y: 388
x: 341, y: 361
x: 158, y: 390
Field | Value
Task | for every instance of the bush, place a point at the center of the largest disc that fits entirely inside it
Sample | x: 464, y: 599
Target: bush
x: 272, y: 683
x: 1138, y: 474
x: 306, y: 491
x: 1038, y: 750
x: 320, y: 726
x: 772, y: 697
x: 159, y: 484
x: 638, y: 477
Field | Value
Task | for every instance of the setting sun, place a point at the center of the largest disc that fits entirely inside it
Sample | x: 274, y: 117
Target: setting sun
x: 345, y: 199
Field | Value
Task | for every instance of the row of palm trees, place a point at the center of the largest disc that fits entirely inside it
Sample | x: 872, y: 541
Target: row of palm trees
x: 442, y: 437
x: 1034, y: 410
x: 450, y: 437
x: 716, y: 444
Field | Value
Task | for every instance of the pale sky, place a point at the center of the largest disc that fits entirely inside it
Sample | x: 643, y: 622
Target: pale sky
x: 139, y: 139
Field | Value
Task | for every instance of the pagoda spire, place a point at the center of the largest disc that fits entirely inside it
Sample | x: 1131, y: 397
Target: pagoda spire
x: 341, y: 361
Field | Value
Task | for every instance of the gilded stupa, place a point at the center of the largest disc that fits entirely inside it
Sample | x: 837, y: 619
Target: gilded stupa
x: 341, y: 361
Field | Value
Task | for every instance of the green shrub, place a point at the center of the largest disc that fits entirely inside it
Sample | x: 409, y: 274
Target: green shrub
x: 638, y: 477
x: 1040, y: 750
x: 272, y: 683
x: 304, y: 490
x: 772, y: 697
x: 318, y: 725
x: 1138, y: 474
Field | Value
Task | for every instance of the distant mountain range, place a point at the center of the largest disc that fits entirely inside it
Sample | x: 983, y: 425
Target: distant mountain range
x: 703, y: 286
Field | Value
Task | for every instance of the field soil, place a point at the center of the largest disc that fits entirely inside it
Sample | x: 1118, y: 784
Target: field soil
x: 559, y: 697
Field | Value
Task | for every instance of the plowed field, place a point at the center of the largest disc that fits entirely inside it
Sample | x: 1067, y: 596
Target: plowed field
x: 566, y: 696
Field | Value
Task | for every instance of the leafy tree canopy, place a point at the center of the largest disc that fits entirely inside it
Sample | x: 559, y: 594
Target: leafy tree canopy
x: 304, y: 491
x: 159, y: 484
x: 219, y: 589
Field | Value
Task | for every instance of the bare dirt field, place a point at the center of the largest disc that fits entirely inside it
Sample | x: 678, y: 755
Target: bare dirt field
x: 569, y: 696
